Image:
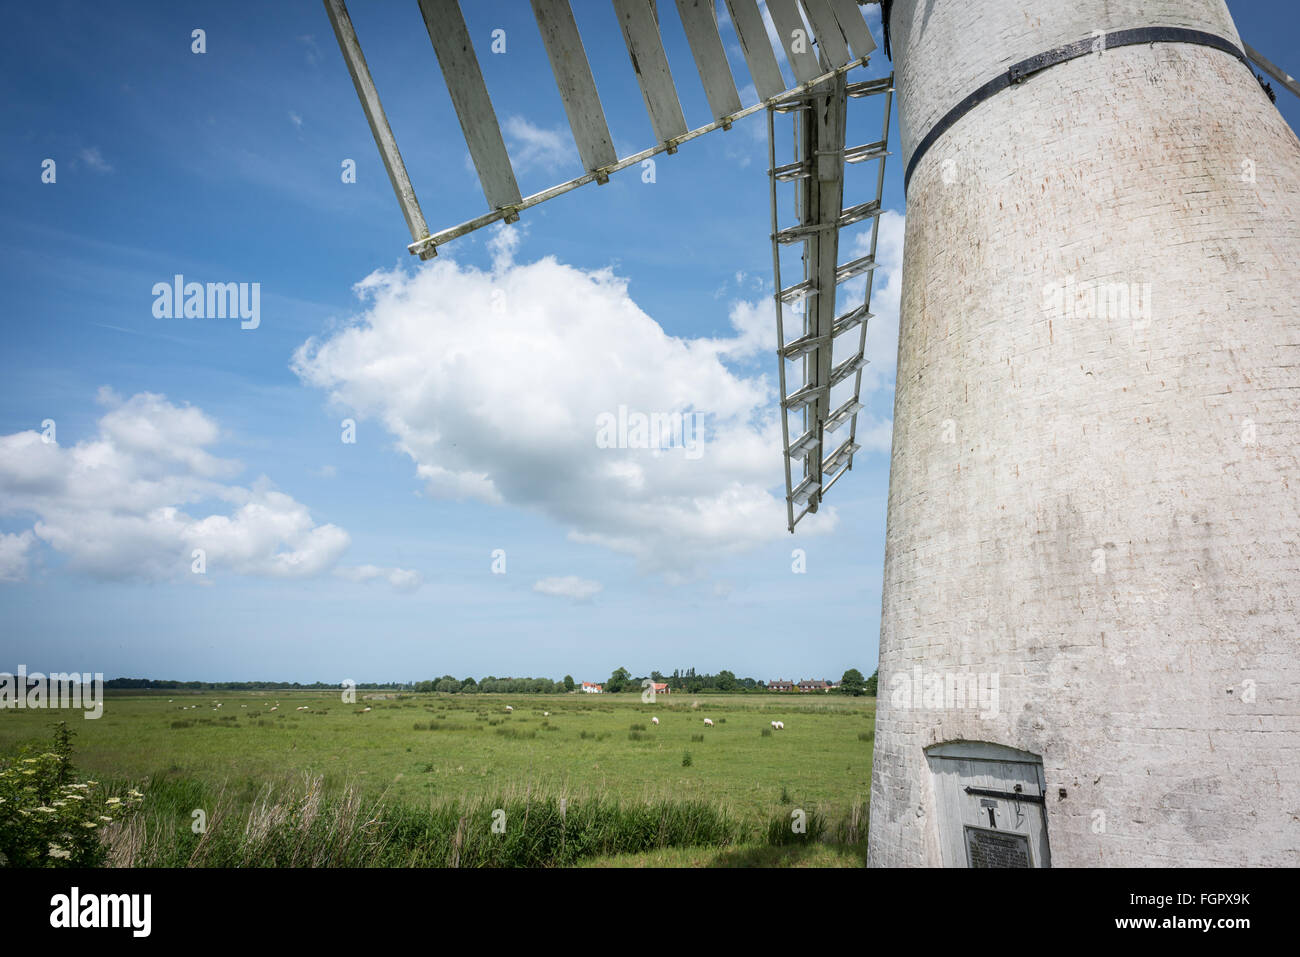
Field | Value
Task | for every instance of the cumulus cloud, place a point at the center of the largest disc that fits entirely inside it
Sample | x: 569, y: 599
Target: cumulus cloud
x: 401, y: 579
x: 568, y: 586
x: 13, y: 556
x: 116, y: 504
x: 493, y: 381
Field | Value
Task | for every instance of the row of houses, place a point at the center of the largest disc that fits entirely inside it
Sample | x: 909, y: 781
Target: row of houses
x: 661, y: 687
x: 779, y: 684
x: 816, y: 684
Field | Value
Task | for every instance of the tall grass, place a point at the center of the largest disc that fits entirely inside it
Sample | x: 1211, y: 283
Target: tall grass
x: 302, y: 825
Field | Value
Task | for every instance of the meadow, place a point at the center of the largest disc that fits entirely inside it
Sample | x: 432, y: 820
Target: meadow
x: 457, y: 758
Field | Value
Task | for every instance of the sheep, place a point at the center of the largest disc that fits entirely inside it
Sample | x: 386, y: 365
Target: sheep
x: 276, y: 708
x: 708, y: 722
x: 773, y: 725
x: 546, y: 714
x: 654, y: 721
x: 363, y: 710
x: 509, y: 708
x: 780, y: 726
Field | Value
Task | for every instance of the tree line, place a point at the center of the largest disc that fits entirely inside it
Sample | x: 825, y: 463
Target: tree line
x: 680, y: 681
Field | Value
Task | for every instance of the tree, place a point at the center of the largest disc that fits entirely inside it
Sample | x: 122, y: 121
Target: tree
x: 872, y: 681
x: 852, y: 683
x: 726, y: 681
x: 618, y: 680
x: 568, y: 682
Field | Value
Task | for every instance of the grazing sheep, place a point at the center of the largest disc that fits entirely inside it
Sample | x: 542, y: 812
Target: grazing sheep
x: 708, y: 722
x: 654, y: 721
x: 780, y: 726
x: 276, y: 708
x: 363, y: 710
x: 546, y: 714
x: 773, y: 725
x: 509, y: 708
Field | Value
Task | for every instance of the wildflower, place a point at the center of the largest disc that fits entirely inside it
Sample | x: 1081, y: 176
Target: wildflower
x: 113, y: 801
x: 46, y: 810
x: 56, y: 851
x: 108, y: 819
x: 89, y: 824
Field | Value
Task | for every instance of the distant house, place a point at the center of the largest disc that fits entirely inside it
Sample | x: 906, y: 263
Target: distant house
x: 780, y: 684
x: 814, y: 685
x: 589, y: 688
x: 661, y: 687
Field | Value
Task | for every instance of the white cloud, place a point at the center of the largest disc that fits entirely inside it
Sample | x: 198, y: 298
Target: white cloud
x: 13, y: 556
x: 492, y: 382
x: 92, y: 157
x: 114, y: 504
x: 534, y: 147
x: 401, y: 579
x: 295, y: 119
x: 568, y: 586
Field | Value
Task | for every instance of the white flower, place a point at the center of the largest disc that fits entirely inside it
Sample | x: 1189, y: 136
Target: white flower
x: 56, y: 851
x: 89, y: 824
x: 113, y: 801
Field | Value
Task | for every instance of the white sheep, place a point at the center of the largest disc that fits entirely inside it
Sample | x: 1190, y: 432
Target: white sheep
x: 276, y: 708
x: 363, y: 710
x: 546, y: 714
x: 654, y: 721
x: 509, y: 708
x: 780, y: 726
x: 708, y: 722
x: 773, y: 725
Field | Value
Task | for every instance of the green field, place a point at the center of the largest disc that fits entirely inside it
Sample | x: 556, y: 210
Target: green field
x: 427, y: 751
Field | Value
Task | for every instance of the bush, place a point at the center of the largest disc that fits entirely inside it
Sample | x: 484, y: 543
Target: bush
x: 686, y: 759
x: 47, y: 819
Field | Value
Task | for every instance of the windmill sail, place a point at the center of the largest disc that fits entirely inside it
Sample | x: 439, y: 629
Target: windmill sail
x: 821, y: 40
x: 833, y: 39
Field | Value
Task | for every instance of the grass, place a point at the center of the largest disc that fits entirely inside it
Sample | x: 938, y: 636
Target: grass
x: 423, y: 764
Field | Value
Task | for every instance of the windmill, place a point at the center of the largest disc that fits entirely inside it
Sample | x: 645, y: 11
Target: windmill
x: 1093, y: 540
x: 823, y: 41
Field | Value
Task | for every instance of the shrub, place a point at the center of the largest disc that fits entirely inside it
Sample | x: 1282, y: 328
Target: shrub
x: 47, y: 819
x: 686, y: 759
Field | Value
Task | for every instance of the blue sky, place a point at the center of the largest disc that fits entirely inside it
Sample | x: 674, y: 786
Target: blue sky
x: 472, y: 379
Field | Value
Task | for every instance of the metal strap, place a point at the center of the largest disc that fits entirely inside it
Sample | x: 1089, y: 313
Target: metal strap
x: 1022, y: 71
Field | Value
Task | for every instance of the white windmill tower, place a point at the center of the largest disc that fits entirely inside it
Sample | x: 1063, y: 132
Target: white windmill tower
x: 1089, y: 639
